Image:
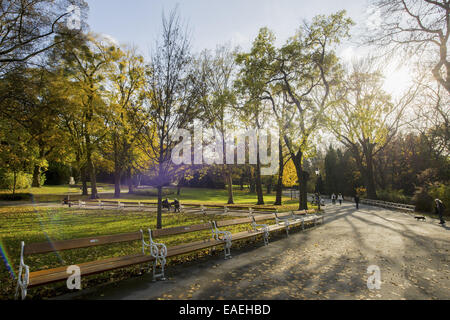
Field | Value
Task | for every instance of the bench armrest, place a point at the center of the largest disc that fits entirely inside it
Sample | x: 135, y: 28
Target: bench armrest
x: 23, y: 278
x: 284, y: 220
x: 263, y: 227
x: 219, y: 234
x: 157, y: 250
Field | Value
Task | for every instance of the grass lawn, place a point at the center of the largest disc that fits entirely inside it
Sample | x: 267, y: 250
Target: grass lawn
x: 187, y: 196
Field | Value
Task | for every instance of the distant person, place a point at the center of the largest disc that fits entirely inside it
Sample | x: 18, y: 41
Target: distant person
x: 166, y: 204
x: 333, y: 198
x: 317, y: 199
x: 66, y: 200
x: 357, y: 201
x: 440, y: 208
x: 340, y: 198
x: 176, y: 205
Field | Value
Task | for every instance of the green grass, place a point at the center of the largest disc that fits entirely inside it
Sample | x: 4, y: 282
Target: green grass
x: 188, y: 196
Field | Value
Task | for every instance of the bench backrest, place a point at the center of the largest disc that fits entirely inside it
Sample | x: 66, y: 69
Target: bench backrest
x: 46, y: 247
x: 180, y: 230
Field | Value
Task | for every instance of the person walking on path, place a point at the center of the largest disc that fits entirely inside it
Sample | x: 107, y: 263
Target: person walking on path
x: 340, y: 199
x: 333, y: 198
x: 357, y: 201
x: 440, y: 208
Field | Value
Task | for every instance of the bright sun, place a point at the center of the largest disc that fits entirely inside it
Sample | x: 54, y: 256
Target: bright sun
x: 397, y: 80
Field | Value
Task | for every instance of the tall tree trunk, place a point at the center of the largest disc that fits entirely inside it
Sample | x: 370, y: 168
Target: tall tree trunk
x: 117, y: 178
x: 84, y: 188
x: 14, y: 182
x: 159, y: 213
x: 229, y: 181
x: 91, y: 168
x: 117, y: 168
x: 370, y: 180
x: 130, y: 182
x: 252, y: 180
x: 259, y: 190
x: 302, y: 179
x: 36, y: 176
x: 279, y: 195
x: 37, y: 168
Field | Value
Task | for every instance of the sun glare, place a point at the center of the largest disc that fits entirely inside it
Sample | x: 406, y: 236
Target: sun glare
x: 397, y: 80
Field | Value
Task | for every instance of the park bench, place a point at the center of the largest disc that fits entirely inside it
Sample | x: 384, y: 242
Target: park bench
x: 27, y: 279
x: 297, y: 218
x: 102, y: 204
x: 151, y: 250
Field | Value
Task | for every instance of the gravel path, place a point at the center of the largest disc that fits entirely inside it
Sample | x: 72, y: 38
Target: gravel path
x: 327, y: 262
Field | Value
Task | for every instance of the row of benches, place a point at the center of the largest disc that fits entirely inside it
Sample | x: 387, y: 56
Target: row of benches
x: 102, y: 204
x: 151, y: 251
x: 389, y: 205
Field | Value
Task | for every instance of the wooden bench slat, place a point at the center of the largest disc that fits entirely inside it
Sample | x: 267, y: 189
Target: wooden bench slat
x: 179, y: 230
x: 89, y: 268
x: 193, y: 246
x: 246, y: 234
x: 232, y: 222
x: 45, y: 247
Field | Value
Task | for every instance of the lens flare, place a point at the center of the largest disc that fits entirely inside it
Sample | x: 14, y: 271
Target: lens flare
x: 6, y: 260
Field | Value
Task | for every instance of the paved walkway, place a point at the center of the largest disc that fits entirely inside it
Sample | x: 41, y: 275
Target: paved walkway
x: 328, y: 262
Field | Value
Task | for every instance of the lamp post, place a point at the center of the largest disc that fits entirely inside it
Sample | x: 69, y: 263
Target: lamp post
x: 318, y: 188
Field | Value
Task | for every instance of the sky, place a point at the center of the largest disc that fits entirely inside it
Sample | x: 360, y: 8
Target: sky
x: 236, y: 22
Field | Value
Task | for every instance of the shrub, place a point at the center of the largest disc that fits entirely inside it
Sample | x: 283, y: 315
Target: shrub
x: 423, y: 200
x: 396, y: 196
x: 23, y: 180
x: 152, y: 192
x: 15, y: 197
x: 57, y: 173
x: 42, y: 179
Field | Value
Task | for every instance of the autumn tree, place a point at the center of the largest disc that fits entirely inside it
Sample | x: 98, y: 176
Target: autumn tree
x: 172, y: 104
x: 32, y: 100
x: 304, y: 69
x: 218, y: 99
x: 365, y: 119
x: 124, y: 117
x: 85, y: 63
x: 431, y: 108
